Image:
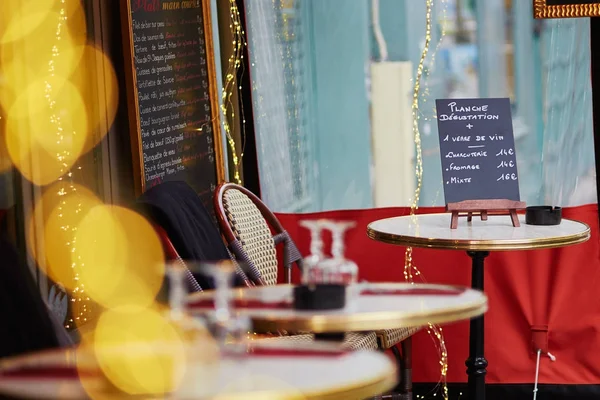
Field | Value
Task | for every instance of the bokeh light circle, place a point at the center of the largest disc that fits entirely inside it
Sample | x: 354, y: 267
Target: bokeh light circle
x: 55, y: 45
x: 21, y: 18
x: 46, y: 132
x: 59, y: 211
x: 139, y: 351
x: 89, y: 372
x: 121, y: 257
x: 101, y: 96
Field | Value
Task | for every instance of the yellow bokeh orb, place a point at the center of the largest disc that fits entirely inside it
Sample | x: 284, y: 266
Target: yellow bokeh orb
x: 60, y: 230
x: 90, y: 375
x: 21, y: 18
x: 121, y: 257
x: 139, y: 351
x: 52, y: 43
x: 46, y: 130
x: 101, y: 96
x: 16, y: 78
x: 59, y: 211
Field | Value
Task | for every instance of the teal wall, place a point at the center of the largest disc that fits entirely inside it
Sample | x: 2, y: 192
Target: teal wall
x: 528, y: 100
x: 394, y: 25
x: 340, y: 57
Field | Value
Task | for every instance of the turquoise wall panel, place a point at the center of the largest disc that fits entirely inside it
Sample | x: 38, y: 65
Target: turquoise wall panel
x: 341, y: 53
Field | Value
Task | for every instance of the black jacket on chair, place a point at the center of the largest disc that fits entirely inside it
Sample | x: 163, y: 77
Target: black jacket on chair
x: 25, y: 322
x: 174, y: 206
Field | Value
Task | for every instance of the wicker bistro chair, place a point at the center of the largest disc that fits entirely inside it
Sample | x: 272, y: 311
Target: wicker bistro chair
x: 353, y: 341
x: 245, y: 222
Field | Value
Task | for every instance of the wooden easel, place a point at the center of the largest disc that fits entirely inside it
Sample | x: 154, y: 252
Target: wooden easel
x: 483, y: 208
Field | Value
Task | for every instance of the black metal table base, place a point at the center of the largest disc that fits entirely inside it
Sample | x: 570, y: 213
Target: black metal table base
x: 476, y: 363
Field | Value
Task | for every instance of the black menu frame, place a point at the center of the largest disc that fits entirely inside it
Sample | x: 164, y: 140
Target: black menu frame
x: 133, y: 110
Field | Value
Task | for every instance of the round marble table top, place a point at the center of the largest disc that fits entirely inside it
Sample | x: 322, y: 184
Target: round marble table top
x: 497, y: 233
x: 269, y: 371
x: 378, y: 306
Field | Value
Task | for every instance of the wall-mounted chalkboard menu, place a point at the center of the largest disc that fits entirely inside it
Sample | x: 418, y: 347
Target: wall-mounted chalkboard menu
x: 566, y: 8
x: 477, y: 149
x: 172, y: 94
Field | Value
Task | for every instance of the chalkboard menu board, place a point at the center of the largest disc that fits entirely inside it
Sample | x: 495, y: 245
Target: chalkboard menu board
x: 477, y: 149
x: 172, y: 94
x: 566, y: 8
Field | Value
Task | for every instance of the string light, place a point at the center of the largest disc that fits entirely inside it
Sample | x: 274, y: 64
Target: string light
x: 230, y: 85
x: 431, y: 64
x: 411, y: 270
x: 78, y: 296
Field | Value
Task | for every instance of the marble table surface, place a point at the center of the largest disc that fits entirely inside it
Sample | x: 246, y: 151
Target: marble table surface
x: 497, y: 233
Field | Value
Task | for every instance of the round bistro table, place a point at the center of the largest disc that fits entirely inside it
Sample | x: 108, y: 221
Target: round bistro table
x: 477, y: 238
x: 378, y: 306
x: 269, y: 371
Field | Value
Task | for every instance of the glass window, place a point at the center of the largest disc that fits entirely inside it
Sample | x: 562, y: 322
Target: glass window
x: 332, y: 83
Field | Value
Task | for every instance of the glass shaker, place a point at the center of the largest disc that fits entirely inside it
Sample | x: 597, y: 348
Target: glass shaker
x: 312, y: 274
x: 339, y: 269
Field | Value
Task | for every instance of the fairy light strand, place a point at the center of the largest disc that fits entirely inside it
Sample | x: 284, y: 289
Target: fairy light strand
x: 431, y: 64
x: 78, y: 296
x: 425, y: 93
x: 231, y: 85
x: 410, y: 269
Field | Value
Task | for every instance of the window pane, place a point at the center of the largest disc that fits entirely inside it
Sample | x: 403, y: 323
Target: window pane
x: 334, y: 120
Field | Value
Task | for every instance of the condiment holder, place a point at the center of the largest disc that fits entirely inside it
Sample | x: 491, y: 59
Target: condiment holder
x: 543, y: 215
x: 320, y: 297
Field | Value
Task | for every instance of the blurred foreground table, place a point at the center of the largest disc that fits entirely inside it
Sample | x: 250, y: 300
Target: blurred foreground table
x: 478, y: 238
x: 271, y: 371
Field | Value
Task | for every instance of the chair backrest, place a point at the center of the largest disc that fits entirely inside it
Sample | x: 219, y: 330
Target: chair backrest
x: 188, y: 226
x: 246, y: 223
x: 173, y: 256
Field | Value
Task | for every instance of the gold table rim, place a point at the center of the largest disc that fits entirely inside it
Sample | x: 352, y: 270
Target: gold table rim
x: 481, y: 245
x: 364, y: 321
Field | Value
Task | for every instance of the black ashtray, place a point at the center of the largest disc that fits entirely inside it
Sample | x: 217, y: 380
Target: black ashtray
x: 319, y: 297
x: 543, y: 215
